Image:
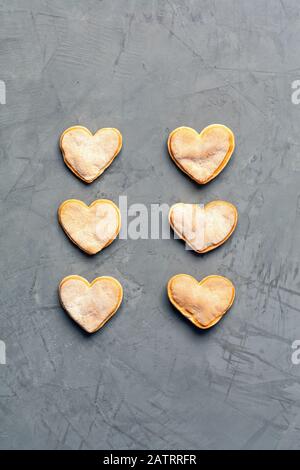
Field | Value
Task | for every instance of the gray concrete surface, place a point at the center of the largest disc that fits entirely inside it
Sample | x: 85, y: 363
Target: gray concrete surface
x: 149, y: 379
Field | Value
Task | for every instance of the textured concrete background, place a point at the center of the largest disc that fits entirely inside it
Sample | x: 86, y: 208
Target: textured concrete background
x: 149, y: 379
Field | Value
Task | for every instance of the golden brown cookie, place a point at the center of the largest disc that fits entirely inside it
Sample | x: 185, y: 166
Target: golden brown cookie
x: 90, y: 305
x: 204, y: 303
x: 204, y: 228
x: 88, y: 155
x: 201, y: 156
x: 93, y: 227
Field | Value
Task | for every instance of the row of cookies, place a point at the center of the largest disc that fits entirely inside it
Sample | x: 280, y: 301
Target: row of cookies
x: 91, y: 305
x: 201, y: 156
x: 96, y: 226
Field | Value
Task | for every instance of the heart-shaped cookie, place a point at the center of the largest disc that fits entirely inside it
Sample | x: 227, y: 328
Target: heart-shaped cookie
x: 93, y: 227
x: 88, y: 155
x: 204, y: 303
x: 201, y: 156
x: 204, y: 228
x: 90, y: 305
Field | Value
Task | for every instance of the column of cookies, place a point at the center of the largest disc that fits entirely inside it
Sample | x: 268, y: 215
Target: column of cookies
x: 91, y: 228
x: 203, y: 227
